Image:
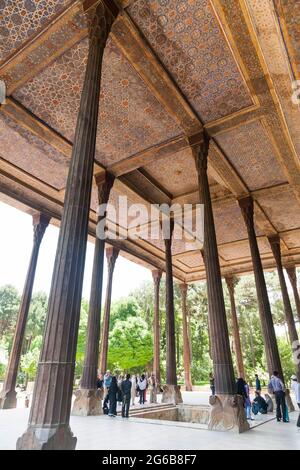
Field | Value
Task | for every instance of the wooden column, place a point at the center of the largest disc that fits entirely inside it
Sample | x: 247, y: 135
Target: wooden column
x: 289, y: 317
x: 88, y: 401
x: 156, y: 275
x: 111, y: 256
x: 291, y: 272
x: 223, y: 367
x: 231, y: 283
x: 8, y: 396
x: 51, y: 405
x: 170, y: 314
x: 226, y: 406
x: 186, y: 341
x: 268, y: 331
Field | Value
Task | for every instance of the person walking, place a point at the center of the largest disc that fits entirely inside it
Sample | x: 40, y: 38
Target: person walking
x: 106, y: 382
x: 257, y: 383
x: 276, y: 387
x: 112, y: 396
x: 142, y: 385
x: 126, y: 386
x: 295, y: 386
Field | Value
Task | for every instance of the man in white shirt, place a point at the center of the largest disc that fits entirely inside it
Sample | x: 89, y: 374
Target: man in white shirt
x: 295, y: 386
x: 276, y: 386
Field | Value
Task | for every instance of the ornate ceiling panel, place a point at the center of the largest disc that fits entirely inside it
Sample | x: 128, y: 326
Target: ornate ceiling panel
x: 187, y: 38
x: 22, y: 19
x: 292, y: 239
x: 130, y: 117
x: 250, y: 151
x: 229, y: 222
x: 191, y: 260
x: 176, y: 174
x: 282, y: 210
x: 32, y: 154
x: 242, y: 249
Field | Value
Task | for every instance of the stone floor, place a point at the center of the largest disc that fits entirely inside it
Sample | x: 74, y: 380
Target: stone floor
x: 102, y: 432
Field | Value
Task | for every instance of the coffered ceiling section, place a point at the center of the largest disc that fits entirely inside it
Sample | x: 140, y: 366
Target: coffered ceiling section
x: 23, y: 19
x: 28, y: 152
x: 130, y: 117
x: 188, y: 39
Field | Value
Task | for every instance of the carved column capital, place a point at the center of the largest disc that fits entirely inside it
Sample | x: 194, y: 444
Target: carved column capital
x: 247, y: 209
x: 183, y: 289
x: 156, y: 276
x: 40, y: 222
x: 231, y: 282
x: 201, y: 153
x: 104, y: 182
x: 274, y: 241
x: 112, y: 254
x: 99, y: 22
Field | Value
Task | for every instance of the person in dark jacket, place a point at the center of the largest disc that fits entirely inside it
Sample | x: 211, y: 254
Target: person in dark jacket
x: 257, y: 383
x: 259, y: 404
x: 112, y: 396
x: 126, y: 396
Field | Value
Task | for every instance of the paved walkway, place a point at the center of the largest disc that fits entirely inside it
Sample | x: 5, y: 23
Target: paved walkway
x: 102, y: 432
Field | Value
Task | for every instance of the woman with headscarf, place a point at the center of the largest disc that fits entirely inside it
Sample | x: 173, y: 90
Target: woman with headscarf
x: 242, y: 388
x: 112, y: 396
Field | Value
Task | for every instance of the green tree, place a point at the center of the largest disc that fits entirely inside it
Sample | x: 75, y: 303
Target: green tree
x: 9, y: 307
x: 130, y: 345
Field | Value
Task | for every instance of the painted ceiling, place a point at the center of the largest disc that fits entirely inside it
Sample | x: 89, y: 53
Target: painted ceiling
x: 170, y: 68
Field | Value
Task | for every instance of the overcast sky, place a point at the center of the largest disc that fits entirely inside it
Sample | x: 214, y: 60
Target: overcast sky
x: 15, y: 247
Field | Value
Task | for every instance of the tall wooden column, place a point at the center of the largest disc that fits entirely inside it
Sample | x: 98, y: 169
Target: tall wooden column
x: 268, y: 331
x: 289, y: 317
x: 88, y: 401
x: 8, y: 396
x: 231, y: 282
x: 186, y: 341
x: 156, y: 275
x: 51, y: 405
x: 223, y: 404
x: 171, y: 391
x: 291, y: 272
x: 111, y: 256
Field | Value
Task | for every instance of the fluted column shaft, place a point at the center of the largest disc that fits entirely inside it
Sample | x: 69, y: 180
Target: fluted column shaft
x: 291, y: 272
x: 268, y: 331
x: 8, y: 394
x: 221, y: 354
x: 170, y: 314
x: 231, y: 282
x: 289, y: 317
x: 186, y: 341
x: 51, y: 404
x: 89, y: 374
x: 156, y: 275
x: 111, y: 256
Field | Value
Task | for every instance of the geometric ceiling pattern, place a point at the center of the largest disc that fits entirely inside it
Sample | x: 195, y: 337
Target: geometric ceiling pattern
x: 188, y: 39
x: 22, y: 19
x: 170, y: 68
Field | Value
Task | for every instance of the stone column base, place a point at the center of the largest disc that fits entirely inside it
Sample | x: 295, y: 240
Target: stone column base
x: 87, y: 403
x: 171, y: 394
x: 227, y: 414
x: 288, y: 401
x: 56, y: 438
x: 8, y: 400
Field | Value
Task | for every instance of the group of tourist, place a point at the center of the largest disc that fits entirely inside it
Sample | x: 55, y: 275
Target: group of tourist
x: 125, y: 389
x: 264, y: 404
